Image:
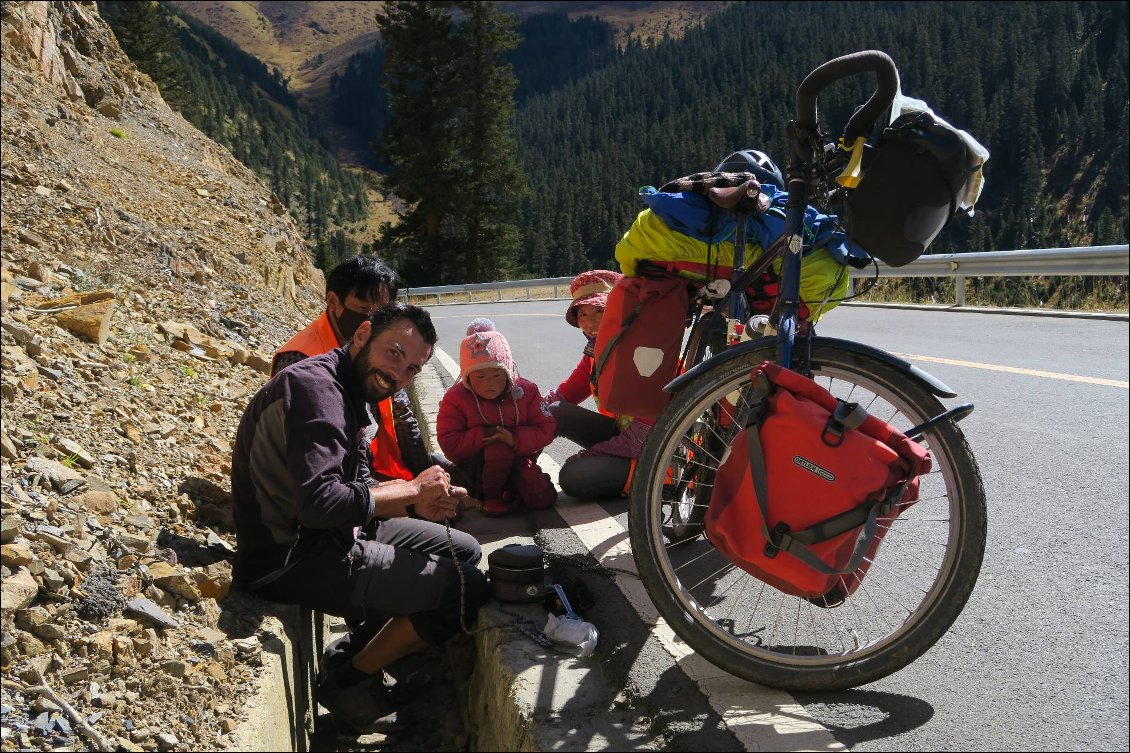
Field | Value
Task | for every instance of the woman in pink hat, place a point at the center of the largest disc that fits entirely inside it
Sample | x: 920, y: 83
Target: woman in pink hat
x: 493, y: 424
x: 612, y: 443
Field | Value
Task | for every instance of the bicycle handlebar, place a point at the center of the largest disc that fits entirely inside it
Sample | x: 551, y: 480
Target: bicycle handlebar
x: 842, y: 67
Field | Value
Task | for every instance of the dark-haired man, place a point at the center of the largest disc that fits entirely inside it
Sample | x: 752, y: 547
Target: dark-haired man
x: 354, y: 289
x: 301, y: 490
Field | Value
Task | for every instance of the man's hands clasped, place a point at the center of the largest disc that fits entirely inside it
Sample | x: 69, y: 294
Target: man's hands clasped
x: 437, y: 500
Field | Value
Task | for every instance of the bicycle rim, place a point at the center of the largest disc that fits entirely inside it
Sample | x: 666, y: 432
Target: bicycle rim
x: 686, y: 484
x: 919, y: 581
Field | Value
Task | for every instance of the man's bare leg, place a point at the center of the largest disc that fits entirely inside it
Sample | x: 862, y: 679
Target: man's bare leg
x: 395, y: 640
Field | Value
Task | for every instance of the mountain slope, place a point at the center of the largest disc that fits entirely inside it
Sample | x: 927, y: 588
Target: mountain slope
x: 305, y: 40
x: 147, y: 276
x: 309, y: 41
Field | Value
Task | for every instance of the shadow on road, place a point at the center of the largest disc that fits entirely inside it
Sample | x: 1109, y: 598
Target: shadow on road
x: 858, y: 716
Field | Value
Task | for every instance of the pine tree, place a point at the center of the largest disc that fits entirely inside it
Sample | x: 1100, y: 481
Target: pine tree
x: 145, y: 32
x: 449, y: 140
x: 493, y: 183
x: 419, y: 141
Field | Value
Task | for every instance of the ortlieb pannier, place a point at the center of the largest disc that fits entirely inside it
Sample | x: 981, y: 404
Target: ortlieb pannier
x: 638, y: 345
x: 812, y: 525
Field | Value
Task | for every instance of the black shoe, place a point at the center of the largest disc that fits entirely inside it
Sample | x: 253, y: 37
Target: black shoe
x: 350, y: 644
x: 404, y: 689
x: 400, y: 691
x: 364, y: 707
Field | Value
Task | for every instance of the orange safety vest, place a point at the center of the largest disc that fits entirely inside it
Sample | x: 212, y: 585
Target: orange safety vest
x: 318, y: 338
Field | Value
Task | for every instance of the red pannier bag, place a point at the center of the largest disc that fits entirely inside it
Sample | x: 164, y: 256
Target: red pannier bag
x: 638, y: 345
x: 810, y: 487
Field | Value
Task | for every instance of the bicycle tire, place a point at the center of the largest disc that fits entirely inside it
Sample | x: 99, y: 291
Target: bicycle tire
x: 917, y: 586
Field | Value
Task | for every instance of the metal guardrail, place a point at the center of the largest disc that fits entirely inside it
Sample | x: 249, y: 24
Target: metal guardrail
x: 455, y: 290
x: 1084, y: 261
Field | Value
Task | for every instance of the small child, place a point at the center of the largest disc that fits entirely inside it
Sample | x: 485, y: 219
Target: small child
x: 493, y: 425
x: 590, y: 295
x: 603, y: 469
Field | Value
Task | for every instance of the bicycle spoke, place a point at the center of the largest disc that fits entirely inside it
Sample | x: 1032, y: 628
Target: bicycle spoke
x: 754, y: 629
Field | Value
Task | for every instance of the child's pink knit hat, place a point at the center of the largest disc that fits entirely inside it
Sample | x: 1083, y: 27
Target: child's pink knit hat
x: 590, y: 287
x: 484, y: 348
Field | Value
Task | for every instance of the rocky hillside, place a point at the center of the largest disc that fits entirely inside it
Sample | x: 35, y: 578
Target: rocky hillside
x: 147, y: 277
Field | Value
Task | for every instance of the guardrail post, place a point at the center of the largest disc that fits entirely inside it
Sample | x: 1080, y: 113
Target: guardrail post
x: 959, y: 288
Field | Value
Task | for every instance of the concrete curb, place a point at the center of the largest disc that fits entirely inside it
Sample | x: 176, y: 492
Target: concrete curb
x: 280, y: 713
x: 523, y: 697
x: 520, y: 696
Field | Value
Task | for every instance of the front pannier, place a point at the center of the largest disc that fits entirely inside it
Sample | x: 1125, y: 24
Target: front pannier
x: 812, y: 526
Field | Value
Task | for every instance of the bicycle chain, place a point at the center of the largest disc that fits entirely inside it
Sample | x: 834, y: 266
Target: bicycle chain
x: 526, y: 627
x: 523, y: 625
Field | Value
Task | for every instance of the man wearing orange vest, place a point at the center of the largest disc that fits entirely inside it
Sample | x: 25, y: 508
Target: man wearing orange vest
x: 354, y: 289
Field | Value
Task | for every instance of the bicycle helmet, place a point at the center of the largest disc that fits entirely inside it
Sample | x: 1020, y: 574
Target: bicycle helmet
x: 753, y: 161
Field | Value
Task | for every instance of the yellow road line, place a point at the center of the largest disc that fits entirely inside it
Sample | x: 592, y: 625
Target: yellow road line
x: 1014, y: 370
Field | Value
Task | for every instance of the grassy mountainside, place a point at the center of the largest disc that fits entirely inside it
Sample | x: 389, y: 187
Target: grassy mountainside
x: 308, y: 41
x: 305, y: 40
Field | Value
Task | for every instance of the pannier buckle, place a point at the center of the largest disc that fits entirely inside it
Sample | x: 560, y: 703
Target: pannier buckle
x: 845, y: 416
x: 773, y: 545
x: 833, y: 434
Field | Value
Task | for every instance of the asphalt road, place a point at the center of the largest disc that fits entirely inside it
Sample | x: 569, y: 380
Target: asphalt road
x: 1038, y: 660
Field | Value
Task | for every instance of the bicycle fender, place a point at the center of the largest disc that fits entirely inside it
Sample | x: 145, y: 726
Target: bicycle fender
x: 931, y: 382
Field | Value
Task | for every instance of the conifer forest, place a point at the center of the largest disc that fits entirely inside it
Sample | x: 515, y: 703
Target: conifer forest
x: 518, y: 145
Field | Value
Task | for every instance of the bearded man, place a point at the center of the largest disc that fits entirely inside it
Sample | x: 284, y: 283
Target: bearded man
x: 302, y: 491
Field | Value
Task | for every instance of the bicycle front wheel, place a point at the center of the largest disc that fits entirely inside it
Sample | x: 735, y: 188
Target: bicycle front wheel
x: 918, y: 583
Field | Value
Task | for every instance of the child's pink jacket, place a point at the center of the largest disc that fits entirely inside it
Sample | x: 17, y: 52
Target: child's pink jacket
x: 464, y: 416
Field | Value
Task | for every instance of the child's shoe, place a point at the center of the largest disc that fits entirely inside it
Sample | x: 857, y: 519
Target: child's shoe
x: 533, y: 486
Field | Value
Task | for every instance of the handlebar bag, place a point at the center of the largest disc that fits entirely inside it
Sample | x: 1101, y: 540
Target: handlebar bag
x: 808, y: 489
x: 912, y: 185
x: 638, y: 344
